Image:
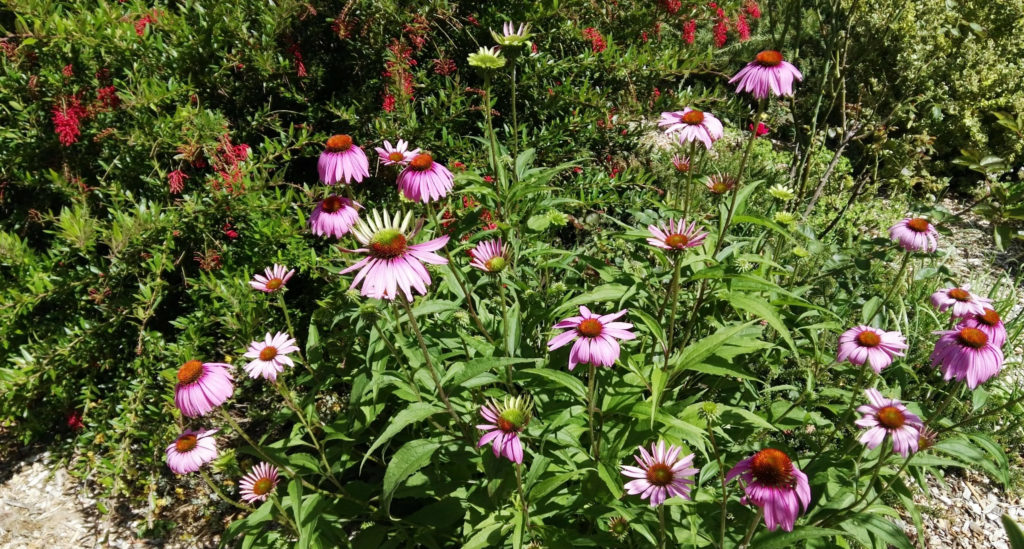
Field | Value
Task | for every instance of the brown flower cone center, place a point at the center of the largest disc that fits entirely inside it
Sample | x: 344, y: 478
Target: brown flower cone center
x: 274, y: 283
x: 868, y: 339
x: 185, y: 443
x: 660, y: 474
x: 693, y: 118
x: 332, y: 204
x: 268, y: 353
x: 421, y: 162
x: 262, y: 486
x: 677, y: 241
x: 506, y: 425
x: 891, y: 417
x: 960, y: 295
x: 396, y: 157
x: 990, y: 318
x: 772, y: 468
x: 388, y: 244
x: 918, y: 225
x: 590, y: 327
x: 339, y: 143
x: 190, y: 372
x: 769, y: 58
x: 973, y: 338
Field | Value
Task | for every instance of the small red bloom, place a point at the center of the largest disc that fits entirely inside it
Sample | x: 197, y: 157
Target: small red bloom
x: 67, y: 120
x: 533, y: 48
x: 74, y: 421
x: 140, y: 25
x: 444, y: 67
x: 689, y: 31
x: 752, y: 9
x: 488, y: 179
x: 597, y: 43
x: 458, y: 165
x: 643, y: 36
x: 761, y: 129
x: 176, y: 180
x: 721, y: 32
x: 389, y: 103
x: 107, y: 97
x: 68, y: 70
x: 742, y: 28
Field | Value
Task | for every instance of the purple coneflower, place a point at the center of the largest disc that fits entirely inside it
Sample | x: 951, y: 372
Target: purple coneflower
x: 661, y: 474
x: 773, y: 483
x: 272, y: 279
x: 768, y: 74
x: 862, y: 344
x: 505, y: 420
x: 490, y: 256
x: 202, y: 387
x: 424, y: 180
x: 596, y: 337
x: 961, y: 301
x: 888, y: 416
x: 399, y: 154
x: 692, y: 125
x: 258, y: 483
x: 682, y: 163
x: 676, y: 235
x: 915, y: 234
x: 966, y: 354
x: 342, y: 162
x: 270, y: 356
x: 720, y: 183
x: 334, y: 216
x: 990, y: 323
x: 191, y: 450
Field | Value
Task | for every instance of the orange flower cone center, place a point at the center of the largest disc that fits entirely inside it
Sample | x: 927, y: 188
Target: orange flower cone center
x: 590, y: 327
x: 769, y: 58
x: 660, y: 474
x: 268, y: 353
x: 693, y: 118
x: 960, y: 295
x: 772, y: 468
x: 190, y: 372
x: 891, y: 417
x: 332, y: 204
x: 421, y: 162
x: 973, y: 337
x: 868, y: 339
x: 678, y: 241
x: 262, y: 486
x: 185, y: 443
x: 990, y: 318
x: 339, y: 143
x: 918, y: 225
x: 274, y: 283
x: 388, y: 244
x: 505, y: 425
x: 396, y: 157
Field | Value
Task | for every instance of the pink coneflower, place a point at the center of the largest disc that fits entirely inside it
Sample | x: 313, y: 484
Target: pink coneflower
x: 258, y: 483
x: 961, y: 301
x: 990, y: 323
x: 682, y: 163
x: 661, y: 474
x: 595, y: 335
x: 424, y: 180
x: 342, y: 161
x: 490, y: 256
x: 966, y: 354
x: 272, y: 279
x: 202, y: 386
x: 876, y: 347
x: 887, y: 416
x: 505, y: 421
x: 774, y: 484
x: 720, y: 183
x: 915, y: 234
x: 692, y: 125
x: 399, y: 154
x: 334, y: 216
x: 676, y: 235
x: 191, y: 450
x: 767, y: 74
x: 270, y: 356
x: 392, y: 264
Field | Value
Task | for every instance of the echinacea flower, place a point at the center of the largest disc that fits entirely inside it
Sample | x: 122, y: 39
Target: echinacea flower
x: 191, y: 450
x: 202, y: 386
x: 596, y: 337
x: 966, y: 354
x: 768, y: 74
x: 490, y: 256
x: 391, y: 263
x: 258, y: 483
x: 876, y: 347
x: 334, y: 216
x: 486, y: 59
x: 692, y: 125
x: 773, y: 483
x: 888, y: 416
x: 676, y: 235
x: 511, y: 37
x: 926, y: 439
x: 424, y: 180
x: 915, y: 234
x: 682, y: 163
x: 342, y: 161
x: 782, y: 192
x: 661, y: 474
x: 990, y: 323
x: 961, y: 301
x: 720, y: 183
x: 270, y: 356
x: 273, y: 278
x: 399, y: 154
x: 505, y: 420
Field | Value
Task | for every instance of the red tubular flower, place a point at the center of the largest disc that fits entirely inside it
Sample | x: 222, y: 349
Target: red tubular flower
x: 689, y: 31
x: 721, y: 32
x: 176, y: 180
x: 752, y: 9
x: 742, y: 28
x: 67, y: 120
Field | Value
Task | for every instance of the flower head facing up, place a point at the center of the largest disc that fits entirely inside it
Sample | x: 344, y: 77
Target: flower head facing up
x: 961, y: 301
x: 258, y: 483
x: 768, y: 74
x: 773, y: 483
x: 202, y: 387
x: 692, y: 125
x: 191, y: 450
x: 398, y: 155
x: 662, y: 473
x: 511, y: 37
x: 681, y: 163
x: 486, y: 59
x: 596, y: 336
x: 864, y: 344
x: 720, y: 183
x: 391, y: 263
x: 886, y: 416
x: 915, y: 234
x: 273, y: 278
x: 990, y: 323
x: 424, y: 179
x: 491, y: 256
x: 967, y: 354
x: 270, y: 356
x: 334, y: 216
x: 676, y: 235
x: 342, y: 161
x: 782, y: 192
x: 505, y: 420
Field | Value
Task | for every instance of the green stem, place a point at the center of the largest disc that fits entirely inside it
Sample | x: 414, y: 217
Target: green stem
x: 595, y: 442
x: 220, y: 494
x: 286, y: 394
x: 942, y: 407
x: 858, y: 387
x: 753, y: 528
x: 689, y: 179
x: 291, y: 330
x: 899, y: 279
x: 1009, y: 404
x: 522, y: 495
x: 673, y: 293
x: 739, y: 179
x: 725, y: 495
x: 285, y: 515
x: 515, y: 120
x: 504, y: 316
x: 490, y: 124
x: 662, y: 534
